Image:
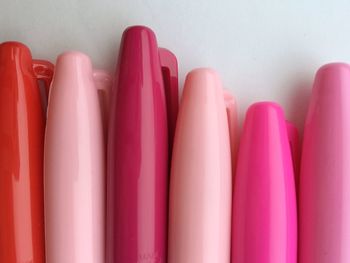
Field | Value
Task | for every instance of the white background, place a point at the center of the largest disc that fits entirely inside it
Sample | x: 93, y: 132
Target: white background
x: 263, y: 50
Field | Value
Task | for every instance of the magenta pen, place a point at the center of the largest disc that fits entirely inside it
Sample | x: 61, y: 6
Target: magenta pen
x: 143, y: 113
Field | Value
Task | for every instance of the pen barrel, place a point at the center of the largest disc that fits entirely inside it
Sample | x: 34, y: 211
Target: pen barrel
x: 21, y: 158
x: 264, y: 207
x: 74, y: 165
x: 201, y: 176
x: 324, y: 211
x: 137, y: 184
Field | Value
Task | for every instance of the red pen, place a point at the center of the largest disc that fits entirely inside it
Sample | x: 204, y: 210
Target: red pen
x: 22, y: 124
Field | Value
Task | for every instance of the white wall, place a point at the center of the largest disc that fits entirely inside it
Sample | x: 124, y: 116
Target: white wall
x: 264, y: 50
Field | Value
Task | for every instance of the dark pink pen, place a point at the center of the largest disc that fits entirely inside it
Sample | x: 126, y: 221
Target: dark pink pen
x: 144, y: 106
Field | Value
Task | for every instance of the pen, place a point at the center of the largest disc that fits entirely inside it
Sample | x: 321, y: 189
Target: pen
x: 324, y: 213
x: 201, y: 172
x: 264, y: 203
x: 22, y: 124
x: 143, y: 114
x: 75, y: 162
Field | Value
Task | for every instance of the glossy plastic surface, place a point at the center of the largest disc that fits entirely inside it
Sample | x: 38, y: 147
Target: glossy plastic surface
x: 264, y: 204
x: 294, y: 143
x: 324, y: 197
x: 75, y: 163
x: 22, y: 124
x: 201, y: 173
x: 232, y: 118
x: 138, y: 167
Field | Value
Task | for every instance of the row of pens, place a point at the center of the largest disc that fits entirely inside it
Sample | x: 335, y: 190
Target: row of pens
x: 119, y: 172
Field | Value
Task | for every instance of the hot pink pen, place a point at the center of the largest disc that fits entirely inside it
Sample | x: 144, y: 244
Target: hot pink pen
x: 324, y: 210
x: 201, y: 176
x: 264, y: 207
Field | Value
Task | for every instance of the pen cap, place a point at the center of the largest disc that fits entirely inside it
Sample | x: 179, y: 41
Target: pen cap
x: 75, y: 163
x: 264, y: 203
x: 325, y: 169
x: 293, y: 136
x: 169, y: 67
x: 201, y: 174
x: 142, y: 119
x: 22, y: 123
x: 232, y: 119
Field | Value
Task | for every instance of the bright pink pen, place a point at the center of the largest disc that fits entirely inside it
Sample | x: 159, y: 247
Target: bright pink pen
x: 264, y: 207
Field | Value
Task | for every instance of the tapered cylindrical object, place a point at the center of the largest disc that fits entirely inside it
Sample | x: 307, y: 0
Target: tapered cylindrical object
x: 324, y: 211
x: 75, y: 163
x: 264, y: 207
x: 201, y: 173
x: 22, y: 124
x: 143, y: 113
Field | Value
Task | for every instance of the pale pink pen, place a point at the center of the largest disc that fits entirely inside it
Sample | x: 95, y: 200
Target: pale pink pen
x: 201, y: 173
x: 74, y: 163
x: 324, y: 198
x: 264, y: 203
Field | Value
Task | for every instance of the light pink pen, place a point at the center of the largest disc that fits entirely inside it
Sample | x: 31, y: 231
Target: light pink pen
x: 201, y: 176
x: 264, y: 203
x: 74, y: 163
x: 324, y: 198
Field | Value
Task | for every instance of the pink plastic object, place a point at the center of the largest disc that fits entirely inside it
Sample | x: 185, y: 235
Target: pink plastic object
x: 264, y: 207
x: 143, y: 114
x: 75, y: 163
x: 294, y: 143
x: 324, y: 199
x: 201, y: 175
